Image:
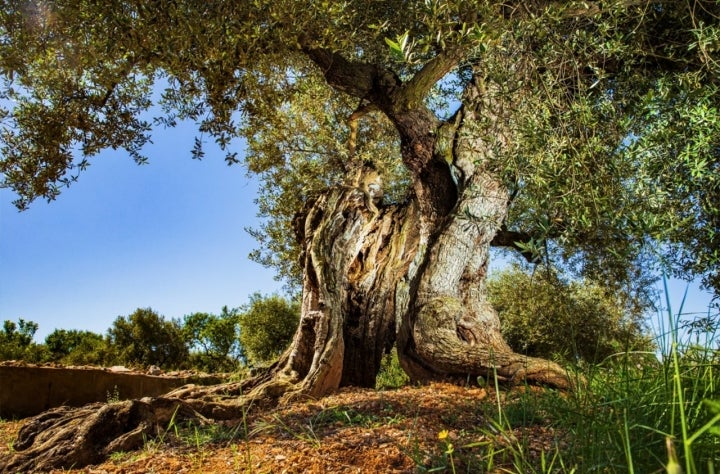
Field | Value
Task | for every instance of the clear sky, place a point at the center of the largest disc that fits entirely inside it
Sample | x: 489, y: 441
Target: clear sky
x: 167, y: 235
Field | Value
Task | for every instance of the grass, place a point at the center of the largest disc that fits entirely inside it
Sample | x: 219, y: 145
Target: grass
x: 638, y: 413
x: 391, y: 375
x: 114, y: 396
x: 197, y: 437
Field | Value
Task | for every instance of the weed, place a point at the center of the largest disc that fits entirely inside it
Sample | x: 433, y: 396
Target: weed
x: 637, y: 413
x: 306, y: 433
x: 114, y: 396
x: 391, y: 374
x: 448, y: 449
x: 119, y: 457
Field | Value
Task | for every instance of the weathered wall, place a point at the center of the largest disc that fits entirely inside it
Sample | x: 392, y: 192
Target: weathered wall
x: 28, y: 390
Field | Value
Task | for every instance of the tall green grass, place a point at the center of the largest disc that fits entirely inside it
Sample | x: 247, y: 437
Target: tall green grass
x: 638, y: 412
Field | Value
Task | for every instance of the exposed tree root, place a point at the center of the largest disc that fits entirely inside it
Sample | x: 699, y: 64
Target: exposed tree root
x: 67, y: 437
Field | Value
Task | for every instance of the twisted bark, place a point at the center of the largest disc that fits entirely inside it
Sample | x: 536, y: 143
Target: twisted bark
x: 411, y: 274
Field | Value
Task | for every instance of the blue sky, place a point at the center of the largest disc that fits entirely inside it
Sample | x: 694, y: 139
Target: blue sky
x: 167, y: 235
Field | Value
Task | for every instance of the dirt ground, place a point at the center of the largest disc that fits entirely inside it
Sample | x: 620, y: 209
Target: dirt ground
x: 439, y: 427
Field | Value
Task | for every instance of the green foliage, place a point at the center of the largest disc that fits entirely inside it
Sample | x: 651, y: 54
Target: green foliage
x: 609, y: 108
x: 391, y: 374
x: 677, y: 180
x: 635, y: 413
x: 75, y: 347
x: 21, y: 333
x: 544, y: 316
x: 145, y: 338
x: 294, y: 168
x: 214, y: 340
x: 267, y: 325
x: 16, y: 342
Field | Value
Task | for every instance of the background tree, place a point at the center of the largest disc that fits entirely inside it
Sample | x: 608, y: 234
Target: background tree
x: 145, y: 338
x: 77, y: 347
x: 214, y: 340
x: 547, y: 148
x: 544, y: 315
x: 16, y: 342
x: 21, y: 333
x: 267, y: 325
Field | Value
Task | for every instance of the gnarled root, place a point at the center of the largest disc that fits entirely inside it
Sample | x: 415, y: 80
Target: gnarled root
x: 446, y: 340
x: 64, y: 437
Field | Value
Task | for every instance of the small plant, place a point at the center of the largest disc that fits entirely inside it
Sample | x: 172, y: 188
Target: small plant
x: 11, y: 443
x: 448, y: 448
x: 391, y: 374
x: 153, y: 445
x: 304, y: 433
x: 119, y: 457
x: 114, y: 396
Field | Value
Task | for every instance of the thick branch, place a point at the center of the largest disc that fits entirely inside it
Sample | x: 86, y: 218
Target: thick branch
x: 403, y: 105
x: 415, y: 90
x: 381, y: 86
x: 361, y: 80
x: 513, y: 239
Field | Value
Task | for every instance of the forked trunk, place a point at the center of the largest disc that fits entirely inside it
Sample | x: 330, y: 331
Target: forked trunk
x: 411, y: 274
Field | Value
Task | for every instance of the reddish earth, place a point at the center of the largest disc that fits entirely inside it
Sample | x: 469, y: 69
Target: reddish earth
x: 354, y: 431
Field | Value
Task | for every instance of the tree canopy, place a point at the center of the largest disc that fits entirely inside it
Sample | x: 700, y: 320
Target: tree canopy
x: 613, y: 107
x: 145, y: 338
x: 214, y: 339
x: 267, y: 325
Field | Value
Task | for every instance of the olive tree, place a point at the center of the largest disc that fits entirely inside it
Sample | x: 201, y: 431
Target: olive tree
x: 16, y: 341
x: 214, y: 340
x: 397, y: 142
x: 145, y: 338
x: 72, y: 346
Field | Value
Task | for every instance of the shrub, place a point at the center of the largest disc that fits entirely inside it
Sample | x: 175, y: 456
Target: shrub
x: 145, y: 338
x: 543, y: 315
x: 214, y: 340
x: 16, y: 342
x: 75, y: 347
x: 267, y: 326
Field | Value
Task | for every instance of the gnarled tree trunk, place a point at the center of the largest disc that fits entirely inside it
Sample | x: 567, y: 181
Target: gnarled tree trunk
x: 411, y: 274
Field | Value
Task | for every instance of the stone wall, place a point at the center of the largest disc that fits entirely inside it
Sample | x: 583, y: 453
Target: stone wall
x: 29, y: 390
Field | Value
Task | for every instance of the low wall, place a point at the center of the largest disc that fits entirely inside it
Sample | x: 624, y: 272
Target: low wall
x: 29, y: 390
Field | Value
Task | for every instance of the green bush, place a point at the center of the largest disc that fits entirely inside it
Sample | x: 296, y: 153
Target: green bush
x: 16, y: 342
x: 214, y: 340
x: 145, y: 338
x: 542, y: 315
x: 267, y: 326
x: 75, y: 347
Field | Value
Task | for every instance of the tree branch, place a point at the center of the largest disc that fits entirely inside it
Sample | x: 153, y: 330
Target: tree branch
x: 403, y: 104
x: 361, y: 80
x: 512, y: 239
x: 415, y: 89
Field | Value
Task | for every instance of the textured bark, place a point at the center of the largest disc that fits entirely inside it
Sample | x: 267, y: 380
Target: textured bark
x: 371, y: 274
x: 356, y: 260
x: 67, y: 437
x: 411, y: 274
